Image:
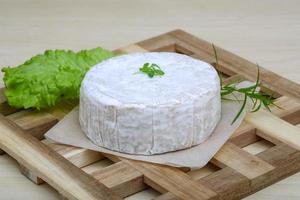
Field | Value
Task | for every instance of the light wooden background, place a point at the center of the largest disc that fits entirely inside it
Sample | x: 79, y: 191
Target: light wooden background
x: 267, y: 32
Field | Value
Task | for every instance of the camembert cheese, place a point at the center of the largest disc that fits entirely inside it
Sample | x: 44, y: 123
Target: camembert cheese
x: 124, y: 110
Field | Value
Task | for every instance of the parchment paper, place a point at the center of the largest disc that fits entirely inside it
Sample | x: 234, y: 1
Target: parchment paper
x: 68, y: 131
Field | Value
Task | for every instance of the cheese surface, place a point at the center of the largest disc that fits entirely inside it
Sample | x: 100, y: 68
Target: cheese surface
x: 124, y: 110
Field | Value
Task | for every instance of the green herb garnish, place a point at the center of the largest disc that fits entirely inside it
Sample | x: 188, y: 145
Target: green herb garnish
x: 152, y: 70
x: 258, y: 99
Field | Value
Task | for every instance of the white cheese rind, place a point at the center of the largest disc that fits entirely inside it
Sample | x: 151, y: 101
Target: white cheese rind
x: 131, y: 113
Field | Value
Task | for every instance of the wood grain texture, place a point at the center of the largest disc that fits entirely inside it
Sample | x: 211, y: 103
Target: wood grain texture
x: 283, y: 158
x: 243, y: 162
x: 239, y: 65
x: 238, y: 186
x: 164, y: 178
x: 247, y: 133
x: 5, y: 109
x: 252, y: 167
x: 275, y: 127
x: 128, y: 181
x: 33, y: 122
x: 123, y: 179
x: 131, y: 49
x: 30, y: 175
x: 53, y: 168
x: 77, y: 156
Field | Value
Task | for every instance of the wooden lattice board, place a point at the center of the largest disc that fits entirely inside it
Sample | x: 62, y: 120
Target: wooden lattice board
x: 233, y: 173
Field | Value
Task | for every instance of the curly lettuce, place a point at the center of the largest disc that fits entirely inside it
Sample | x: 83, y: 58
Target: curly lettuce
x: 46, y: 79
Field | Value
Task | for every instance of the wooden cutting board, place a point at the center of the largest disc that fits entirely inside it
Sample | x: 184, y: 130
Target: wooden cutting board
x: 233, y: 173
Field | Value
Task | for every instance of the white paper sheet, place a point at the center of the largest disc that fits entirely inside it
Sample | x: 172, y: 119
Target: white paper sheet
x: 68, y: 131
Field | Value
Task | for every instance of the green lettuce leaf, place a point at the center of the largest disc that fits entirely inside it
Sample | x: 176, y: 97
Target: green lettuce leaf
x: 46, y: 79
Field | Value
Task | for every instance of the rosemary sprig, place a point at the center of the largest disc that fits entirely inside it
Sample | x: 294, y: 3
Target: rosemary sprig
x: 258, y: 99
x: 151, y: 70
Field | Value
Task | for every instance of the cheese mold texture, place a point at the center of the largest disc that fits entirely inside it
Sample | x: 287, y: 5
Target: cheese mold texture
x: 128, y: 112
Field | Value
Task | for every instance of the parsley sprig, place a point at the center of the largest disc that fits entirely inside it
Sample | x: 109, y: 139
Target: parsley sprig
x: 251, y: 92
x: 151, y: 70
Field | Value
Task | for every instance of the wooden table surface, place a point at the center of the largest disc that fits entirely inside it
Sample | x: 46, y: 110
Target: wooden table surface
x: 267, y: 32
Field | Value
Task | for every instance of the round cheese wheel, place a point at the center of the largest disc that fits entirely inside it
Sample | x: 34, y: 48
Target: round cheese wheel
x: 125, y: 110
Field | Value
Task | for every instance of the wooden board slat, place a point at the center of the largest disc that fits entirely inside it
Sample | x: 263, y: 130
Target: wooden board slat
x: 128, y: 181
x: 30, y: 175
x: 53, y: 168
x: 288, y: 110
x: 78, y: 156
x: 131, y: 48
x: 157, y: 43
x: 5, y: 109
x: 284, y: 158
x: 240, y: 65
x: 243, y: 162
x: 234, y: 184
x: 275, y: 127
x: 33, y: 122
x: 170, y: 179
